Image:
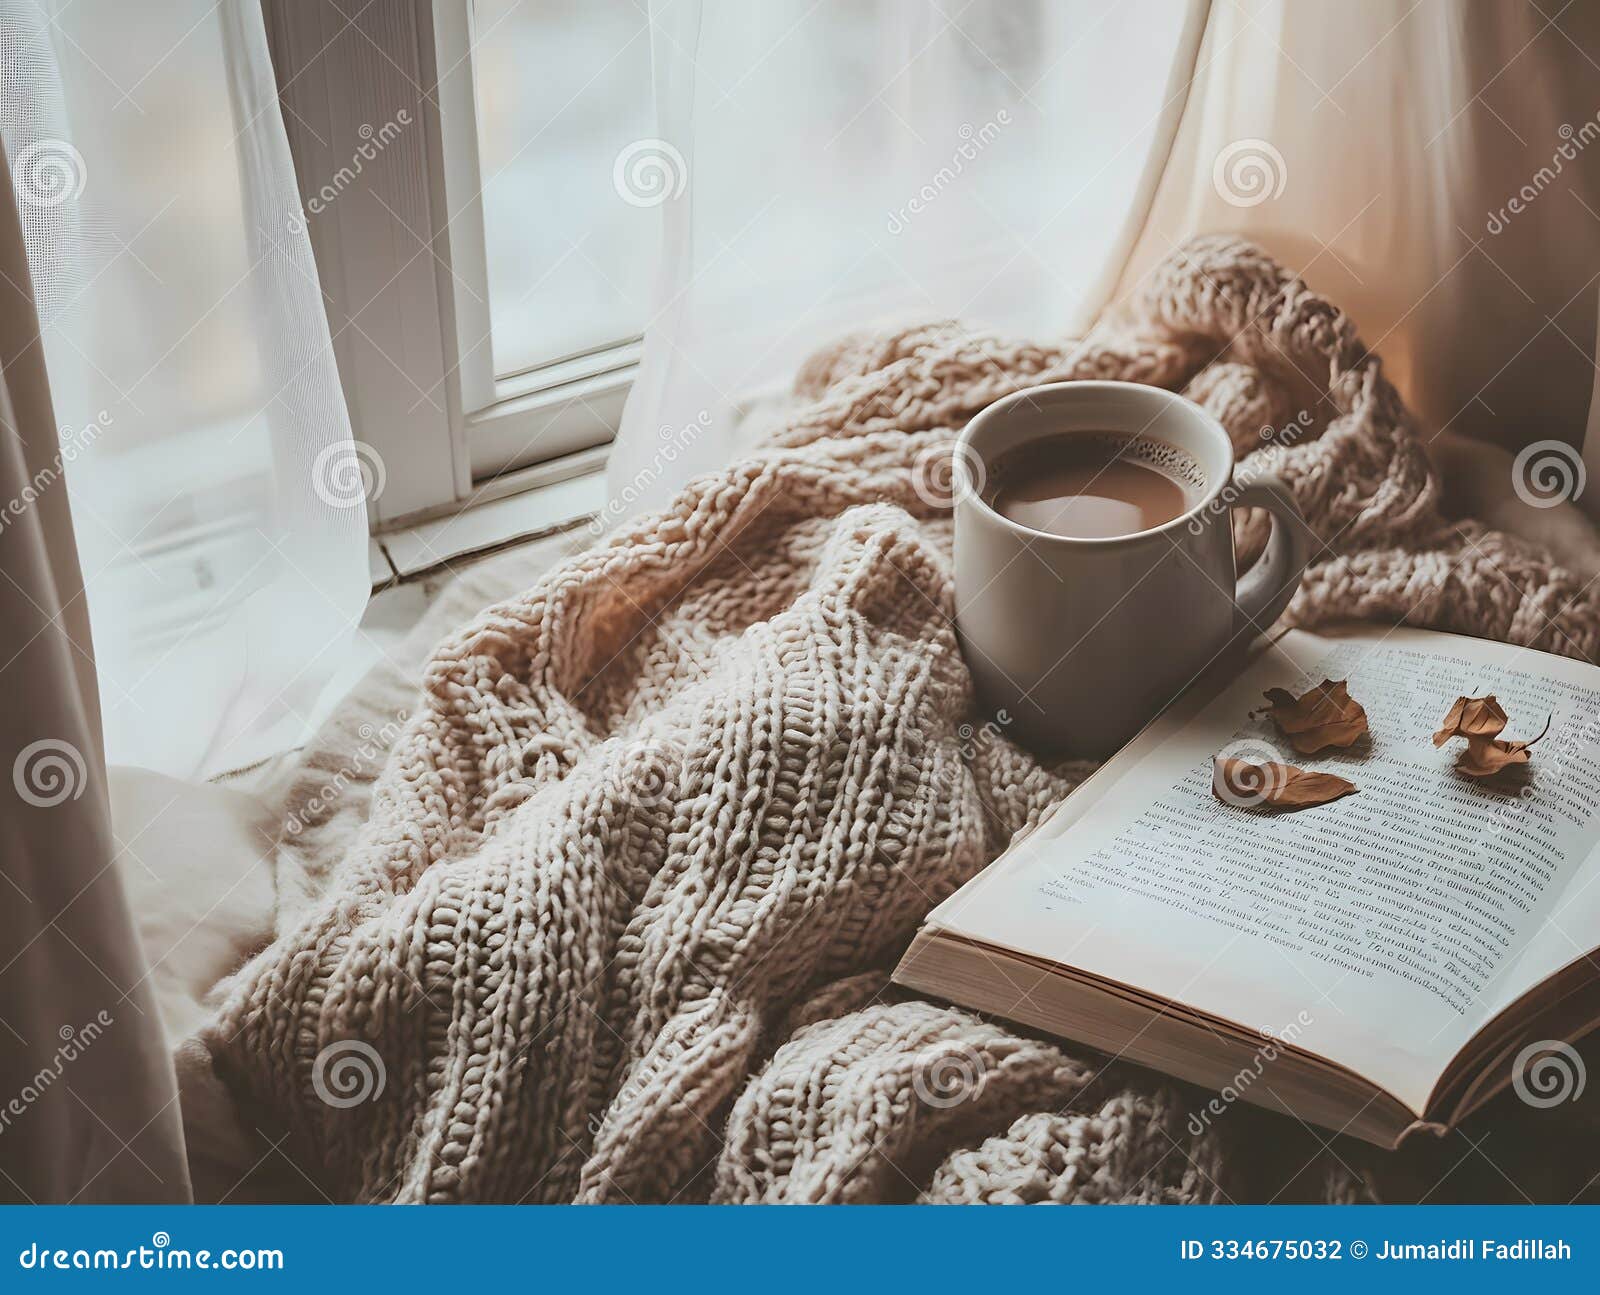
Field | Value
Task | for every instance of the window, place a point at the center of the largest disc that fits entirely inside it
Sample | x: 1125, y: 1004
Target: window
x: 486, y: 268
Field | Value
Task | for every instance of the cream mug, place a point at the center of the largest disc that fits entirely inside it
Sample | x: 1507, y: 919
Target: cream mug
x: 1080, y: 642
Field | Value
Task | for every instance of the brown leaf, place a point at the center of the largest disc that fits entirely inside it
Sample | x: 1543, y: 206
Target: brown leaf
x: 1326, y: 716
x: 1471, y: 717
x: 1273, y: 785
x: 1487, y: 756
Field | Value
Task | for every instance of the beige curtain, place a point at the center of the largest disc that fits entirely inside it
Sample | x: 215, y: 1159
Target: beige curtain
x: 88, y: 1100
x: 1432, y: 165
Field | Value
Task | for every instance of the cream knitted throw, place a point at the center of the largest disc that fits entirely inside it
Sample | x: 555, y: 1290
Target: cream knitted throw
x: 620, y: 924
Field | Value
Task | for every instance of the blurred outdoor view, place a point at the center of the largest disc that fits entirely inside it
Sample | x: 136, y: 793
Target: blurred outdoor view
x: 563, y: 87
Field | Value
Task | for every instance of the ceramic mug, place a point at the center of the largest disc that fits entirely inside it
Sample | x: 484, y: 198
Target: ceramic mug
x: 1080, y: 642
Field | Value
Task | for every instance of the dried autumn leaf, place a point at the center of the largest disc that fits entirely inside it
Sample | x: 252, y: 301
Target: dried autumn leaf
x: 1326, y: 716
x: 1487, y: 756
x: 1273, y: 785
x: 1471, y: 717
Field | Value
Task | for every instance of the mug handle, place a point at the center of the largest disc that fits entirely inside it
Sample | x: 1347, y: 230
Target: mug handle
x: 1265, y: 590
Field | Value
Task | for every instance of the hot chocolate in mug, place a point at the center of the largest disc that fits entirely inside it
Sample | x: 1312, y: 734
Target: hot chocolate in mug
x: 1083, y: 640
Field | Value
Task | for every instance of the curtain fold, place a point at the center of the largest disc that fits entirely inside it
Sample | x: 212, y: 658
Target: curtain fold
x: 218, y: 496
x: 88, y: 1097
x: 1433, y: 163
x: 842, y: 165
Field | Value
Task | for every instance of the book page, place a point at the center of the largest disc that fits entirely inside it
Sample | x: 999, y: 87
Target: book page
x: 1384, y: 928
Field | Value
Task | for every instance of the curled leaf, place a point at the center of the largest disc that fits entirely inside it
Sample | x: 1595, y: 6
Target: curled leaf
x: 1487, y: 756
x: 1471, y: 717
x: 1326, y: 716
x: 1273, y: 785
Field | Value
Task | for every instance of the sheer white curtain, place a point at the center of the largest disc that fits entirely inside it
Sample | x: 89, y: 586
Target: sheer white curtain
x: 828, y: 166
x: 1432, y: 164
x: 217, y: 498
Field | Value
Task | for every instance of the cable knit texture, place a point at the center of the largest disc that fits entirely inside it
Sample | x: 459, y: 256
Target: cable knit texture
x: 619, y: 925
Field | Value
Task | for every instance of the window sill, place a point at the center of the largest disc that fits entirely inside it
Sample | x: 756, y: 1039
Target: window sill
x: 502, y: 515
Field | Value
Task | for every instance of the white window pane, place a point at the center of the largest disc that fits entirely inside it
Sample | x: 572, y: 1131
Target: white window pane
x: 563, y: 90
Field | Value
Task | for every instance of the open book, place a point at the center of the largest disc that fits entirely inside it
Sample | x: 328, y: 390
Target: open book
x: 1384, y: 962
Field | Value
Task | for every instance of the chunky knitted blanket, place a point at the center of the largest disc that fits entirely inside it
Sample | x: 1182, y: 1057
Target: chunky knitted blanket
x: 620, y: 924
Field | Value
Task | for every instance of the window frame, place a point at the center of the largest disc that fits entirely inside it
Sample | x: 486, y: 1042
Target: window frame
x: 404, y: 269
